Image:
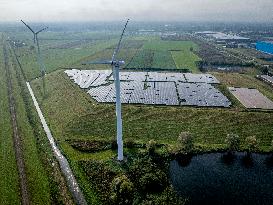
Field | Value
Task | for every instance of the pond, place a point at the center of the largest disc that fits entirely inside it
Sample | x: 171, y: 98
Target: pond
x: 218, y: 179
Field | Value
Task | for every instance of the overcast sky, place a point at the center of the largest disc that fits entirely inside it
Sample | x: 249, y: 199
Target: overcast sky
x: 138, y: 10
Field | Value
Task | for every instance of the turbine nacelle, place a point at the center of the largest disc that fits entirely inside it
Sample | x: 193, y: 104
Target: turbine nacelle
x: 35, y: 34
x: 39, y: 56
x: 118, y: 63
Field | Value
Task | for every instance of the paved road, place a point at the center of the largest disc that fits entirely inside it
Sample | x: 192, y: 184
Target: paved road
x: 64, y: 165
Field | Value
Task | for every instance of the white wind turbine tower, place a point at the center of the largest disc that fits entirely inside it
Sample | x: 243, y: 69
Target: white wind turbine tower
x: 39, y: 57
x: 116, y: 66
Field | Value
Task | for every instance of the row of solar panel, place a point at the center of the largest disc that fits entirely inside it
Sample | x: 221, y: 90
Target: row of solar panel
x: 163, y: 93
x: 93, y: 78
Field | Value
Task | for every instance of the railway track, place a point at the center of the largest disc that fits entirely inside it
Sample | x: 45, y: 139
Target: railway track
x: 17, y: 142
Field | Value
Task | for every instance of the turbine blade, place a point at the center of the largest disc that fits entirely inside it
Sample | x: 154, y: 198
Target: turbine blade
x: 28, y: 26
x: 118, y: 46
x: 41, y: 30
x: 102, y: 62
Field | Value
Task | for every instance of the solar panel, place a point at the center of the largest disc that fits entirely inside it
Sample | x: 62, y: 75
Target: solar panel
x: 201, y: 78
x: 267, y: 78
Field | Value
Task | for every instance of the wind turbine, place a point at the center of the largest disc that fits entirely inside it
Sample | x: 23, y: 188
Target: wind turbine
x: 39, y: 57
x: 116, y: 66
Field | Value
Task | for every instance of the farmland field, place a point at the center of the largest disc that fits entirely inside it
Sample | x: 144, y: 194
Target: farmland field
x: 185, y: 60
x: 60, y: 51
x: 159, y: 54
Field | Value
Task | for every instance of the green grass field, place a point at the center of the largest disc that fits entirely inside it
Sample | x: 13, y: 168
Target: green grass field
x: 9, y: 183
x: 184, y: 59
x: 73, y: 115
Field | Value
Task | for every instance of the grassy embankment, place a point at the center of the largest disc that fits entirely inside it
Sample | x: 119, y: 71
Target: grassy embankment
x: 38, y: 185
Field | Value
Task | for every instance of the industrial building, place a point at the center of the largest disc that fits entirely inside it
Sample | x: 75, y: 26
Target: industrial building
x: 219, y: 36
x: 265, y: 46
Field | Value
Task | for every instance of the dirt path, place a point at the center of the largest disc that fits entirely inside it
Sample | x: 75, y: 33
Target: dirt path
x: 16, y: 136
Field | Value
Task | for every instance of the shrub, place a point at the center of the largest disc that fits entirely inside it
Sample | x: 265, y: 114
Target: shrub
x: 233, y: 142
x: 122, y: 190
x: 141, y: 166
x: 148, y: 176
x: 168, y: 196
x: 185, y: 142
x: 101, y: 176
x: 151, y: 146
x: 154, y: 181
x: 272, y: 145
x: 251, y: 144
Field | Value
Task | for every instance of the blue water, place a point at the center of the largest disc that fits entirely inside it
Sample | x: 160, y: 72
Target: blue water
x: 266, y: 47
x: 208, y: 179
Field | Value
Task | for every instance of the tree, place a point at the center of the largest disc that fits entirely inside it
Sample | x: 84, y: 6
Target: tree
x: 233, y: 142
x: 185, y: 142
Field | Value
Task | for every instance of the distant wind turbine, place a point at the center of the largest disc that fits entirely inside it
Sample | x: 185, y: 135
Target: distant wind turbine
x: 39, y: 57
x: 116, y: 66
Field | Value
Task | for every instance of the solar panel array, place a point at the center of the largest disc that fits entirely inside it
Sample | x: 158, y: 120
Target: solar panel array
x: 131, y: 76
x: 156, y: 88
x: 167, y: 77
x: 201, y: 94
